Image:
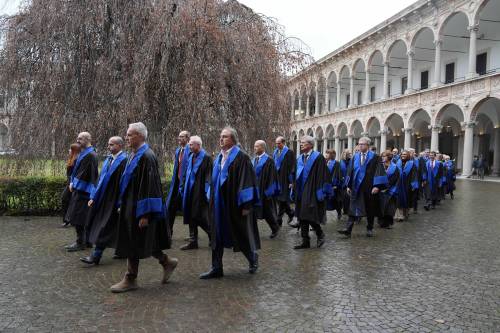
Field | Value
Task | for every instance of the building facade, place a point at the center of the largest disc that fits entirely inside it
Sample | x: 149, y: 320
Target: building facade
x: 427, y: 78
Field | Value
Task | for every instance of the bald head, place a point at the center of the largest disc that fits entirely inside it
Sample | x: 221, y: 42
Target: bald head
x: 115, y: 144
x: 84, y: 139
x: 183, y: 138
x: 259, y: 147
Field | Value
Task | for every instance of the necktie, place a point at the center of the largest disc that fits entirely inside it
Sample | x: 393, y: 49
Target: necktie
x: 306, y: 156
x: 194, y: 158
x: 110, y: 161
x: 279, y: 153
x: 362, y: 158
x: 181, y: 155
x: 257, y: 160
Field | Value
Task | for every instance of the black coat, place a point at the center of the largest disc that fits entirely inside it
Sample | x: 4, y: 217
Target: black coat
x: 87, y: 172
x: 268, y: 188
x: 388, y: 196
x: 234, y: 189
x: 103, y: 214
x: 143, y: 191
x: 195, y: 201
x: 286, y: 176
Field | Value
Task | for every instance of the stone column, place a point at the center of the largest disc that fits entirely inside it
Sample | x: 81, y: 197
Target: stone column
x: 325, y: 145
x: 473, y: 29
x: 300, y: 108
x: 435, y: 137
x: 350, y: 138
x: 327, y: 97
x: 383, y: 140
x: 437, y: 63
x: 496, y: 152
x: 367, y: 87
x: 337, y: 147
x: 407, y: 143
x: 339, y: 86
x: 316, y: 104
x: 307, y: 106
x: 386, y: 80
x: 377, y: 144
x: 315, y: 144
x: 411, y: 54
x: 468, y: 146
x: 351, y: 92
x: 293, y: 111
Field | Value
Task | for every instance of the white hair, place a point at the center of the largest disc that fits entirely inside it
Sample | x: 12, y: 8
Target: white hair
x: 196, y: 139
x: 365, y: 139
x: 308, y: 139
x: 140, y: 128
x: 86, y: 136
x: 261, y: 143
x: 118, y: 140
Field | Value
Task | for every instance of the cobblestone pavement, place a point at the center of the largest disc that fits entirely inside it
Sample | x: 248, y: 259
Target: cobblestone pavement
x: 438, y: 272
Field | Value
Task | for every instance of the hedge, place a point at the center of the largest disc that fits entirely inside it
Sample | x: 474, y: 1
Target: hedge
x: 33, y: 195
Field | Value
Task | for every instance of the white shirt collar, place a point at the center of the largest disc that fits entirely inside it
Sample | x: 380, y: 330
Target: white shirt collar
x: 116, y: 155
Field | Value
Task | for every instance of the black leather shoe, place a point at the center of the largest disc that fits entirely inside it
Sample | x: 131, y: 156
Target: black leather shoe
x: 345, y: 232
x: 91, y: 260
x: 294, y: 224
x: 212, y: 274
x: 321, y: 241
x: 74, y: 247
x: 189, y: 246
x: 303, y: 245
x: 118, y: 257
x: 275, y: 233
x: 369, y: 233
x: 253, y: 266
x: 426, y: 208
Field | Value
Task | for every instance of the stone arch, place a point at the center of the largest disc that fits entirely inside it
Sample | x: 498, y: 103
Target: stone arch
x: 303, y: 101
x: 393, y: 45
x: 312, y: 98
x: 419, y: 32
x: 344, y: 86
x: 310, y: 132
x: 319, y: 139
x: 342, y: 130
x: 373, y: 127
x: 359, y: 76
x: 375, y: 66
x: 356, y: 129
x: 449, y: 110
x: 397, y: 58
x: 372, y: 57
x: 420, y: 122
x: 490, y: 106
x: 447, y: 20
x: 332, y: 87
x: 394, y: 124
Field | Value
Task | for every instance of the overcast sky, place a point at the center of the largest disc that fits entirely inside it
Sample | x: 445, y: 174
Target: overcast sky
x: 324, y: 25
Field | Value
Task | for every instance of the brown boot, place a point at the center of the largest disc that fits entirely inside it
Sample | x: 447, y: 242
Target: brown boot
x: 126, y: 284
x: 168, y: 268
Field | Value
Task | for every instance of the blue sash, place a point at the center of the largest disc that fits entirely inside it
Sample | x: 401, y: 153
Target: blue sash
x: 105, y: 176
x: 303, y: 174
x: 129, y: 170
x: 390, y: 171
x: 260, y: 165
x: 406, y: 172
x: 84, y: 153
x: 279, y: 160
x: 191, y: 172
x: 360, y: 170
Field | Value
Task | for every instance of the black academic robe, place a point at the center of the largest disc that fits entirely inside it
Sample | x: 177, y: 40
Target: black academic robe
x: 84, y: 180
x: 312, y: 188
x: 196, y: 189
x: 234, y: 189
x: 408, y: 183
x: 434, y: 180
x: 285, y: 166
x: 104, y: 214
x: 334, y: 173
x: 422, y: 170
x: 141, y: 196
x: 389, y: 196
x: 268, y: 188
x: 66, y: 195
x: 361, y: 179
x: 346, y: 198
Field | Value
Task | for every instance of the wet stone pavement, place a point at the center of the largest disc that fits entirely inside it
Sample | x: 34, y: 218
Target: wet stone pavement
x: 438, y: 272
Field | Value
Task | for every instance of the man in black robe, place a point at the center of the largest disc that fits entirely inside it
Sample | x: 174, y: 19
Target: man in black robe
x: 83, y: 182
x: 268, y: 187
x: 233, y: 194
x: 433, y: 181
x: 365, y: 178
x: 174, y: 197
x: 104, y: 215
x: 344, y: 166
x: 196, y: 191
x: 284, y: 159
x: 312, y: 188
x: 142, y: 227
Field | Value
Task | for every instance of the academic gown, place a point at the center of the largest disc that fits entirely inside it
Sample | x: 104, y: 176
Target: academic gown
x: 450, y: 176
x: 141, y: 196
x: 389, y: 196
x: 104, y: 214
x: 176, y: 185
x: 422, y: 170
x: 361, y: 179
x: 346, y: 198
x: 268, y: 188
x: 196, y: 189
x: 84, y: 180
x: 66, y: 195
x: 234, y: 189
x: 334, y: 201
x: 312, y: 188
x: 408, y: 183
x: 433, y: 178
x: 285, y: 166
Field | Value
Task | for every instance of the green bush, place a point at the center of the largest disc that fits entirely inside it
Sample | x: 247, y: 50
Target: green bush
x: 35, y: 195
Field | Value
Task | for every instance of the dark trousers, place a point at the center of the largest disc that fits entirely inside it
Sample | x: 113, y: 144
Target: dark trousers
x: 218, y: 252
x: 80, y: 234
x: 386, y: 221
x: 352, y: 219
x: 304, y: 229
x: 284, y: 207
x: 193, y: 229
x: 133, y: 264
x: 175, y: 205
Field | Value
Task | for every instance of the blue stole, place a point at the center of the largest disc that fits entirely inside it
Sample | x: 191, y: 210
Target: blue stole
x: 359, y: 171
x: 129, y: 170
x: 78, y: 183
x: 331, y: 167
x: 390, y: 171
x: 105, y: 176
x: 432, y: 173
x: 405, y: 172
x: 260, y: 165
x: 183, y: 166
x: 303, y: 174
x: 219, y: 177
x: 274, y: 188
x: 279, y: 160
x: 191, y: 172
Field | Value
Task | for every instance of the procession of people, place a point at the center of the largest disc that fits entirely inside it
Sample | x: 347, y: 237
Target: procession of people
x: 123, y: 206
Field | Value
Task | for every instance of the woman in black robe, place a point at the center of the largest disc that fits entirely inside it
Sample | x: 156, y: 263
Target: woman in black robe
x: 389, y: 195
